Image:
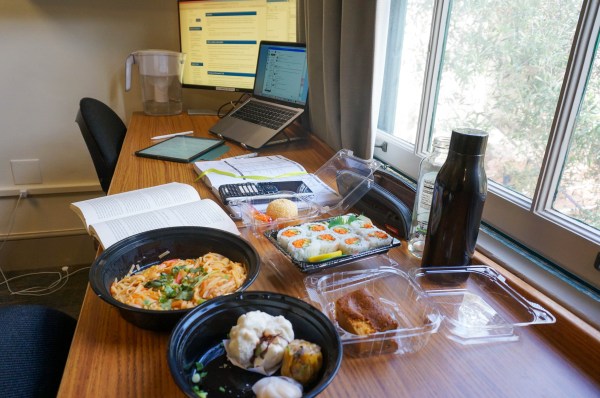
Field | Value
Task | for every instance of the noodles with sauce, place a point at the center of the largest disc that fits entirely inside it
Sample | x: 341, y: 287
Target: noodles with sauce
x: 179, y: 284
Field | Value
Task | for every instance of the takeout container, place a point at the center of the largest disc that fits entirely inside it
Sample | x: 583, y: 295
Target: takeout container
x: 311, y: 267
x: 424, y: 303
x: 199, y: 335
x: 156, y: 246
x: 344, y: 180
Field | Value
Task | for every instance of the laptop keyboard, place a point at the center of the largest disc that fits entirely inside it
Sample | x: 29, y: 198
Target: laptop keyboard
x: 264, y: 114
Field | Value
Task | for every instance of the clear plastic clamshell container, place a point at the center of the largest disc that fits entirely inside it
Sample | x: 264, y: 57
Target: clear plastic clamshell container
x: 416, y: 318
x: 468, y: 305
x: 334, y: 188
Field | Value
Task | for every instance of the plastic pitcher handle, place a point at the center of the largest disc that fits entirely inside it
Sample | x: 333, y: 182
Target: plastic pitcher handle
x: 130, y: 61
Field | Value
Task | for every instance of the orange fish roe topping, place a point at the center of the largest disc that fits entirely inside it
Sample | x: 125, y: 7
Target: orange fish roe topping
x: 291, y: 232
x: 302, y: 242
x: 379, y: 234
x: 351, y: 241
x: 326, y: 237
x: 341, y: 230
x: 317, y: 227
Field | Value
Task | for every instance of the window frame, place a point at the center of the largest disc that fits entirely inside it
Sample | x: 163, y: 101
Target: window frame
x: 563, y: 241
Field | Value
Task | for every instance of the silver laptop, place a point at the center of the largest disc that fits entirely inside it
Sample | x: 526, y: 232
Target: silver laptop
x: 279, y: 96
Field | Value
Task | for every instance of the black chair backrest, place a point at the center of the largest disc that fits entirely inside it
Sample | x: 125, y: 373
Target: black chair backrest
x: 103, y: 132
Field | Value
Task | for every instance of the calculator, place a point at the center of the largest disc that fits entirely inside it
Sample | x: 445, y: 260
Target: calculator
x: 248, y: 190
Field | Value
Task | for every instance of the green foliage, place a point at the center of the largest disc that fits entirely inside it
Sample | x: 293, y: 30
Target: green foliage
x: 516, y: 53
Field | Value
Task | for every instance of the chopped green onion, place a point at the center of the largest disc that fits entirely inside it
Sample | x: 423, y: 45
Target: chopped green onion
x: 199, y: 392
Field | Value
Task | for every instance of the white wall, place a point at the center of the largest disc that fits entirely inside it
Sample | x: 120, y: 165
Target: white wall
x: 53, y: 53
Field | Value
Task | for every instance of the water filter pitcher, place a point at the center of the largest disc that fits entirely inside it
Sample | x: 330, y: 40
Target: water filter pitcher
x: 160, y: 77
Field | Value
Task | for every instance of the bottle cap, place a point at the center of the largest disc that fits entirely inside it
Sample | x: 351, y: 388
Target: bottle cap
x: 468, y: 141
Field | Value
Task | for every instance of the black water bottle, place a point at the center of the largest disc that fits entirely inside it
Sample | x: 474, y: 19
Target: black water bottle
x: 459, y: 194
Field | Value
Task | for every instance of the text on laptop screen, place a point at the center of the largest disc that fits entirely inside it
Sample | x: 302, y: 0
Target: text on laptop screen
x: 282, y: 74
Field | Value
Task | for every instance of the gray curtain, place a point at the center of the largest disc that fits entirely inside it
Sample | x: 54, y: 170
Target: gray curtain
x: 345, y: 39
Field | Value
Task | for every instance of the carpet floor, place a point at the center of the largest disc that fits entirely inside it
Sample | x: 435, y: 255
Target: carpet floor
x: 65, y: 295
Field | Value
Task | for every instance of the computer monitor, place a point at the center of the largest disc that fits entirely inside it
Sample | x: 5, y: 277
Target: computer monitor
x: 220, y: 39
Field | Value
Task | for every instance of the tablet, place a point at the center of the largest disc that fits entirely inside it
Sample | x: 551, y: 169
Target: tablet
x: 181, y: 148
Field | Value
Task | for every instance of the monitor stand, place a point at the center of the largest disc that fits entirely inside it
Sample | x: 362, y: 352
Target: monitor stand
x: 196, y: 112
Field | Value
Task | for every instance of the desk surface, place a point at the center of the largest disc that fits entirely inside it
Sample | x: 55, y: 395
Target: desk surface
x: 110, y: 357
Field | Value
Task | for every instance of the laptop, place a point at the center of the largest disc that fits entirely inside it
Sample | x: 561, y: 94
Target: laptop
x: 279, y: 96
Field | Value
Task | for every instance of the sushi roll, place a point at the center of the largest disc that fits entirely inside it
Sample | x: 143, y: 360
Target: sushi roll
x: 314, y: 228
x: 378, y: 238
x: 353, y: 244
x: 362, y: 227
x: 303, y: 247
x: 328, y: 242
x: 340, y: 230
x: 286, y: 234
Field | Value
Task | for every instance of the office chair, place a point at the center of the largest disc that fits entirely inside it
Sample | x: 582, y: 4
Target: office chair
x: 103, y: 132
x: 34, y: 345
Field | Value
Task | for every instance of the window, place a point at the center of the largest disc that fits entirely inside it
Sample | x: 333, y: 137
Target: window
x: 528, y: 72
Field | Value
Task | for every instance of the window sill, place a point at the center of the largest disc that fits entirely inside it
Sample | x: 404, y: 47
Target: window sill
x: 577, y: 298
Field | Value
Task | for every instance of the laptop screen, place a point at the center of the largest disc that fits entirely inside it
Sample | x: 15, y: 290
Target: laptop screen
x: 282, y: 73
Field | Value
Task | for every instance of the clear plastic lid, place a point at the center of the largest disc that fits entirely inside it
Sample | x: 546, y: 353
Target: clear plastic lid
x: 332, y: 190
x: 477, y: 303
x: 469, y: 305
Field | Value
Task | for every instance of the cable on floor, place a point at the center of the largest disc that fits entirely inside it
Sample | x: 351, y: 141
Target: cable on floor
x: 62, y: 275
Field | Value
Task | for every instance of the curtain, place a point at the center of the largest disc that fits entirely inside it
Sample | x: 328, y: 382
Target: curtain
x: 346, y: 52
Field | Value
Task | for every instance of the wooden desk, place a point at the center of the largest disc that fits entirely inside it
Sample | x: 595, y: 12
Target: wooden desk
x: 110, y: 357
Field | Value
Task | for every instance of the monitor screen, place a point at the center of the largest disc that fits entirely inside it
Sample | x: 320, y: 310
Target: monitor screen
x: 220, y: 39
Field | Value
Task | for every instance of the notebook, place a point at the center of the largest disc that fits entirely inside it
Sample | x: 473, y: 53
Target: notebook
x: 279, y: 96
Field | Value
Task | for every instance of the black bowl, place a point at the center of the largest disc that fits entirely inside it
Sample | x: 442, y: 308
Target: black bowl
x: 144, y: 250
x: 198, y: 338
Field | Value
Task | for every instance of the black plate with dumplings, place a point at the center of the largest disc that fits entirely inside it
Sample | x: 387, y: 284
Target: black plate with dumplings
x: 308, y: 267
x: 199, y: 336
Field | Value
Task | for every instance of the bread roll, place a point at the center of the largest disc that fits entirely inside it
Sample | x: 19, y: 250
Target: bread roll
x: 282, y: 208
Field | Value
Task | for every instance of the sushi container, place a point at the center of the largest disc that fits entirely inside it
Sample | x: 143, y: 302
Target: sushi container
x: 332, y: 190
x: 354, y: 244
x: 466, y: 305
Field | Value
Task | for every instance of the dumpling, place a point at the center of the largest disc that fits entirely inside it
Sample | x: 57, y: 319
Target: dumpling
x: 277, y: 387
x: 257, y: 341
x: 302, y: 361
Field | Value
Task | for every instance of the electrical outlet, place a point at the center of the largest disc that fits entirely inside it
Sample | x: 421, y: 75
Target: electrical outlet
x: 23, y: 193
x: 26, y: 171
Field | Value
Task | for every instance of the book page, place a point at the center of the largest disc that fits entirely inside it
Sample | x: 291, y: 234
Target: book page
x: 134, y: 202
x: 232, y: 171
x: 204, y: 213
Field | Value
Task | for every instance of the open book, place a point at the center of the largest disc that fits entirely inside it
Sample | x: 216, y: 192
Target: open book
x: 112, y: 218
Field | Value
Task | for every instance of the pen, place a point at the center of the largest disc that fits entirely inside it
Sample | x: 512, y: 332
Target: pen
x: 248, y: 155
x: 160, y: 137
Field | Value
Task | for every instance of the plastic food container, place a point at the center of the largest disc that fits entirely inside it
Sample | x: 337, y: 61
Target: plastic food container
x: 309, y: 267
x: 251, y: 211
x: 417, y: 318
x: 480, y: 308
x: 336, y: 186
